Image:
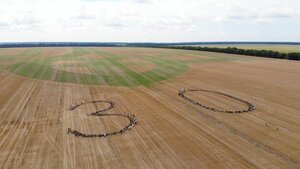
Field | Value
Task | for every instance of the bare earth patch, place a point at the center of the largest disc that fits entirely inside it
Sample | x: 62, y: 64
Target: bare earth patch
x: 78, y: 70
x: 12, y: 51
x: 92, y: 56
x: 7, y: 63
x: 72, y: 66
x: 49, y: 52
x: 67, y: 62
x: 191, y: 57
x: 141, y: 68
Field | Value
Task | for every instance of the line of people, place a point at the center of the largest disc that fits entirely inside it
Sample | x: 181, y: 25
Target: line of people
x: 251, y: 107
x: 132, y: 123
x: 132, y: 119
x: 74, y: 106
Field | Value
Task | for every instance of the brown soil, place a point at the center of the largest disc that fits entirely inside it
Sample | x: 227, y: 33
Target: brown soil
x: 64, y: 62
x: 191, y: 57
x: 171, y: 133
x: 78, y: 70
x: 71, y: 66
x: 92, y: 56
x: 49, y: 52
x: 11, y: 51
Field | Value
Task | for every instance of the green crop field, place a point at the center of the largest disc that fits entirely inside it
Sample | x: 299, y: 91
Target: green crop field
x: 105, y: 66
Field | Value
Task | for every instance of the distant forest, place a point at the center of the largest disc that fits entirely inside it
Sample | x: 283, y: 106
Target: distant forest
x: 234, y: 50
x: 183, y: 45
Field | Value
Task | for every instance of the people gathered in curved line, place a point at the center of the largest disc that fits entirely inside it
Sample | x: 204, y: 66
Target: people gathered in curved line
x: 132, y: 120
x: 250, y: 108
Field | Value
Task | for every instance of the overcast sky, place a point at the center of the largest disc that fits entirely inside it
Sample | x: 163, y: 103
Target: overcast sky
x: 149, y: 20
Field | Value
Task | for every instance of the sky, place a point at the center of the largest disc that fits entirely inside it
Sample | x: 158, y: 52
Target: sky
x: 149, y: 20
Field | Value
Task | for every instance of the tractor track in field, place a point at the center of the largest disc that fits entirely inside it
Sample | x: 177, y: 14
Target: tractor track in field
x: 131, y: 117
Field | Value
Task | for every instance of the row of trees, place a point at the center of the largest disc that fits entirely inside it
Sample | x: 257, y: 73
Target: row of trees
x: 234, y: 50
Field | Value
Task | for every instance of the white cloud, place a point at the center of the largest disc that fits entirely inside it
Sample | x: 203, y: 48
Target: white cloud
x: 117, y: 20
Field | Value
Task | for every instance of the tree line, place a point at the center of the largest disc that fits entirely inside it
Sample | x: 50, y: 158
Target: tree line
x: 234, y: 50
x: 230, y: 50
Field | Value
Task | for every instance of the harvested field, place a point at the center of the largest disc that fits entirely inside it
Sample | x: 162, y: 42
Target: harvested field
x: 91, y: 56
x: 12, y: 52
x: 171, y: 132
x: 49, y: 52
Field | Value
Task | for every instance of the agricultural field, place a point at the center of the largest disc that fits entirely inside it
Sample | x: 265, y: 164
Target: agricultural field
x: 46, y: 94
x: 278, y: 48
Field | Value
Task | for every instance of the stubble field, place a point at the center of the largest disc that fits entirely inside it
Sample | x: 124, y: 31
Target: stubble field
x: 38, y: 85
